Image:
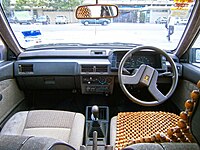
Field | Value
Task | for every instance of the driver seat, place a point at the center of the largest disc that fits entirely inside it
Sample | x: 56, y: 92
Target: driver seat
x: 131, y: 128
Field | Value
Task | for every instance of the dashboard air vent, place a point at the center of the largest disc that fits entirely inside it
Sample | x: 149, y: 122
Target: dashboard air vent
x: 87, y: 68
x: 25, y: 68
x: 102, y: 68
x: 94, y: 68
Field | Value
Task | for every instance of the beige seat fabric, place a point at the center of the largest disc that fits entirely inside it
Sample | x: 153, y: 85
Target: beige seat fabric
x: 113, y: 128
x: 62, y: 125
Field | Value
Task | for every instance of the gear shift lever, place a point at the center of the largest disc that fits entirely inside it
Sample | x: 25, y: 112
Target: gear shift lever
x: 95, y: 113
x: 96, y: 125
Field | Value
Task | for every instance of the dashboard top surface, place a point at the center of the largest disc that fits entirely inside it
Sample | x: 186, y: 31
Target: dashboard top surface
x: 71, y: 61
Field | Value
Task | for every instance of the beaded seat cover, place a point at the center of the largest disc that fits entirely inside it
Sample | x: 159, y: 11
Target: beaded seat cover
x: 146, y: 127
x: 134, y: 126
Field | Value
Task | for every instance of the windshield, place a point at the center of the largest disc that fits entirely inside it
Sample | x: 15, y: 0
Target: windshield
x: 145, y: 22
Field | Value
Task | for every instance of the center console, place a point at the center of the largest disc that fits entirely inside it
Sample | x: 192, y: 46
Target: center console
x: 97, y: 119
x: 97, y: 84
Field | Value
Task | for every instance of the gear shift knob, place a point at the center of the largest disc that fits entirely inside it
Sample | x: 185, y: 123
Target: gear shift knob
x: 95, y: 112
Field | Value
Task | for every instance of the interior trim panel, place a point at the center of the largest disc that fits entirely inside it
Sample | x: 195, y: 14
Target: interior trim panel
x: 189, y: 70
x: 6, y: 69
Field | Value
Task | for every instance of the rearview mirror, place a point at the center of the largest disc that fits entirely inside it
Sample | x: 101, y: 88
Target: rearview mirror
x: 96, y: 11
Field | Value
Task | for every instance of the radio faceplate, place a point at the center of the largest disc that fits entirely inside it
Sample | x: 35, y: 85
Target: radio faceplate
x: 97, y: 84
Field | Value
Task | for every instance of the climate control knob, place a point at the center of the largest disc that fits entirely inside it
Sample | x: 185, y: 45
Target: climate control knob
x: 102, y: 80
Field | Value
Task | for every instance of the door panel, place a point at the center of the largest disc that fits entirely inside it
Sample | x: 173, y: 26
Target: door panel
x: 186, y: 84
x: 10, y: 95
x: 6, y: 70
x: 191, y: 72
x: 182, y: 93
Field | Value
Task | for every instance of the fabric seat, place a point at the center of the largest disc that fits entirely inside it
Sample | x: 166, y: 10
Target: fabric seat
x: 18, y: 142
x: 61, y: 125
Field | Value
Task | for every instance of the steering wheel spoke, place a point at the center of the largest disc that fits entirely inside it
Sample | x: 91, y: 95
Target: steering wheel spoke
x: 154, y: 90
x: 126, y: 71
x: 133, y: 79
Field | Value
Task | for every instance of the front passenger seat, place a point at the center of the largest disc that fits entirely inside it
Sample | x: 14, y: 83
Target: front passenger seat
x: 61, y: 125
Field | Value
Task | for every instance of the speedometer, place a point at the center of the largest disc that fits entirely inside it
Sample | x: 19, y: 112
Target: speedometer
x: 130, y: 63
x: 142, y: 60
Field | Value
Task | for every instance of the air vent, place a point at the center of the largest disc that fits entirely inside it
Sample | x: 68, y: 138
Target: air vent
x: 102, y: 68
x: 94, y: 68
x: 98, y: 52
x: 87, y: 68
x: 26, y: 69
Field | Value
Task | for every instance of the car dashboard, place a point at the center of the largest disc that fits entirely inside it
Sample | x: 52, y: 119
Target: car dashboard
x: 90, y: 70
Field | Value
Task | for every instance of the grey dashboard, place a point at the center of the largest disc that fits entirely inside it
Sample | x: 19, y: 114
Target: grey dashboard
x: 57, y: 66
x: 91, y: 70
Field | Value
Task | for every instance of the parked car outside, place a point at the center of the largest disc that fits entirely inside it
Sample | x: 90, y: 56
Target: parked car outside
x: 61, y: 20
x: 13, y: 20
x: 179, y: 21
x: 26, y: 20
x: 95, y: 21
x: 43, y: 19
x: 161, y: 20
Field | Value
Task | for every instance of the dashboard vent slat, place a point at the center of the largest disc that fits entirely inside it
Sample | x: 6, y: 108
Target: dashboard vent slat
x: 94, y: 68
x: 102, y: 68
x: 87, y: 68
x: 25, y: 68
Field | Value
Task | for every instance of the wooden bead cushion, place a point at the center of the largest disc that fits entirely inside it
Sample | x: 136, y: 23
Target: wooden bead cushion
x: 141, y: 127
x: 134, y: 126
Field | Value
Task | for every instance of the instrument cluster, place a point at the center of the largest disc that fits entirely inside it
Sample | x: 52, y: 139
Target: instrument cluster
x: 137, y: 59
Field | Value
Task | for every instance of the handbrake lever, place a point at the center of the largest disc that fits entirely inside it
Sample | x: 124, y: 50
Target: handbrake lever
x: 94, y: 146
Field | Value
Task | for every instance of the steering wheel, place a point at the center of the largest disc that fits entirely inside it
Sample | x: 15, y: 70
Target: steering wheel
x: 147, y: 76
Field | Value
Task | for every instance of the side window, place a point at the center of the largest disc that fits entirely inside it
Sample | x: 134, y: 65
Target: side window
x: 3, y: 51
x: 195, y: 53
